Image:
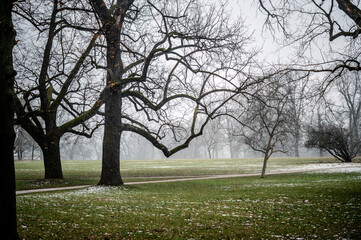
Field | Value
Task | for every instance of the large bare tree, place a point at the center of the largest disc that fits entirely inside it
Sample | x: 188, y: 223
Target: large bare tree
x: 171, y: 67
x: 55, y: 61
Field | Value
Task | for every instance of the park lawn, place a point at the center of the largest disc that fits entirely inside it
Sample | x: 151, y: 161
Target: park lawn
x: 29, y: 174
x: 289, y: 206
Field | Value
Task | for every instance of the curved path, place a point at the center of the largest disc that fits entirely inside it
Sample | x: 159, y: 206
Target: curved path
x: 325, y: 167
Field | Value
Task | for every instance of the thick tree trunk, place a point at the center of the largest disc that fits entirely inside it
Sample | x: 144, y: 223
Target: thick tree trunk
x: 110, y: 174
x: 348, y: 159
x: 52, y: 162
x: 8, y: 229
x: 112, y: 22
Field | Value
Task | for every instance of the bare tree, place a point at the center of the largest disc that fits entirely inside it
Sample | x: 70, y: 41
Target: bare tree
x: 349, y: 88
x: 338, y: 120
x: 55, y: 60
x: 319, y: 125
x: 326, y: 35
x: 313, y: 27
x: 234, y: 142
x: 171, y: 67
x: 265, y: 120
x: 336, y: 18
x: 24, y: 144
x: 213, y: 138
x: 298, y: 99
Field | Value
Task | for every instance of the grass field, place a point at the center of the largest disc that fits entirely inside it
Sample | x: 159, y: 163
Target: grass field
x: 29, y: 174
x: 290, y: 206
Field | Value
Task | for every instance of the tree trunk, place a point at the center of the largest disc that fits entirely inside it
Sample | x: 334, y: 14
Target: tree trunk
x: 265, y: 160
x: 209, y: 151
x: 8, y: 224
x: 297, y: 151
x: 319, y: 123
x: 348, y: 158
x: 20, y: 154
x: 32, y: 151
x: 297, y: 137
x: 74, y: 145
x: 110, y: 174
x: 52, y: 162
x: 112, y: 22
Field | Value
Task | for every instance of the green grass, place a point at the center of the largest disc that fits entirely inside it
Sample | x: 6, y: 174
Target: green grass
x: 29, y: 174
x: 290, y: 206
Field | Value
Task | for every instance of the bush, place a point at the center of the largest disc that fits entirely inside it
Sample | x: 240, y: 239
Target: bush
x: 338, y: 141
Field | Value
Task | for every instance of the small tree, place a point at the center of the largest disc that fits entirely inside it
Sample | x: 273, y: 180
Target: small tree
x: 265, y: 120
x: 335, y: 140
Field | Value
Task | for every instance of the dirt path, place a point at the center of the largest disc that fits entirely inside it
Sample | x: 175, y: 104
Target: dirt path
x: 285, y: 171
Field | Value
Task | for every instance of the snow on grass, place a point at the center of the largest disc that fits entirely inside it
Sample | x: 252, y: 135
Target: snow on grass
x: 222, y: 209
x: 324, y: 168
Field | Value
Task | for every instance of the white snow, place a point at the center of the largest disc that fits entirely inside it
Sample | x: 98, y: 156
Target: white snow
x: 324, y: 168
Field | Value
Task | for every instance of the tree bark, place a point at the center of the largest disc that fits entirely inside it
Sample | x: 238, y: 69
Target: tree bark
x: 110, y: 174
x: 112, y: 24
x: 52, y: 162
x: 32, y: 151
x: 265, y: 160
x: 351, y: 10
x: 113, y: 109
x: 8, y: 227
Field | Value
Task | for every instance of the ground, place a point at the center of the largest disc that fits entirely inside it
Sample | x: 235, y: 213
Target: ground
x: 322, y: 204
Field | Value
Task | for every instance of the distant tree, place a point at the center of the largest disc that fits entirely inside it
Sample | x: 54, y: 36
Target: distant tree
x: 335, y: 140
x: 8, y: 226
x: 234, y: 142
x: 338, y: 127
x: 319, y: 125
x: 213, y: 138
x: 265, y: 120
x: 25, y: 146
x: 349, y: 87
x: 298, y: 100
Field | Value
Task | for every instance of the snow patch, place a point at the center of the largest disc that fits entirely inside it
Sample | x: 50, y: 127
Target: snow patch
x: 325, y: 168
